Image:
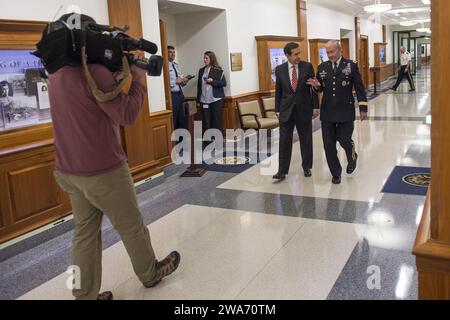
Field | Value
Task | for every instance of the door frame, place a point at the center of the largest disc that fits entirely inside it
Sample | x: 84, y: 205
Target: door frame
x: 165, y: 53
x: 366, y: 74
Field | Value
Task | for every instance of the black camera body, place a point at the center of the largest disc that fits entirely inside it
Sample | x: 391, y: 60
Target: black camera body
x: 62, y: 45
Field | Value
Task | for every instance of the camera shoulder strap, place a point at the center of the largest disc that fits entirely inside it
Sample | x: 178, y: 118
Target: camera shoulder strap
x: 99, y: 95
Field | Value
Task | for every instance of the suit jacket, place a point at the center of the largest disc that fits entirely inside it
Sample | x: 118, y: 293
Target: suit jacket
x: 338, y: 103
x: 300, y: 103
x: 217, y: 85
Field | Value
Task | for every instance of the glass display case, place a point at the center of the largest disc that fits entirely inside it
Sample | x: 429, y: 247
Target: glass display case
x: 380, y: 57
x: 23, y: 91
x: 277, y: 57
x: 270, y: 55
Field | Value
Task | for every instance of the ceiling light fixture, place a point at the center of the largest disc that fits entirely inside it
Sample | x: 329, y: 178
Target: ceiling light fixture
x: 408, y: 23
x: 378, y: 7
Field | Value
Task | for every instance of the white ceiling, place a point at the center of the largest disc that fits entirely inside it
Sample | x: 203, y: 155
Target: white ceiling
x: 356, y: 8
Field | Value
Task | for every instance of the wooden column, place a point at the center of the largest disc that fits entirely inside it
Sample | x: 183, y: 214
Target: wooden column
x: 137, y: 140
x: 384, y: 34
x: 432, y: 247
x: 302, y: 27
x: 358, y: 38
x: 165, y: 54
x: 440, y: 150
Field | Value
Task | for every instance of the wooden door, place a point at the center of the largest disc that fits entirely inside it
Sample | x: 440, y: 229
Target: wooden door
x: 345, y: 44
x: 364, y: 63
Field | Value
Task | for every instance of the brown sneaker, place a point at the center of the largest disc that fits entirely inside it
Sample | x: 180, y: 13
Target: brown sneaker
x: 105, y: 296
x: 165, y: 268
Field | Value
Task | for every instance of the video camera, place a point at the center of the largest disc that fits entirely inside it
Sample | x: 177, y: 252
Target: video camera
x: 62, y: 42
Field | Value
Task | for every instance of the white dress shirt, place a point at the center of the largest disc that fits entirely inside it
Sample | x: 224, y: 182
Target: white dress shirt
x: 405, y: 58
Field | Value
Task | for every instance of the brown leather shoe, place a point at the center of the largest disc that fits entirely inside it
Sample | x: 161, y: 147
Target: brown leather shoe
x: 105, y: 296
x: 165, y: 268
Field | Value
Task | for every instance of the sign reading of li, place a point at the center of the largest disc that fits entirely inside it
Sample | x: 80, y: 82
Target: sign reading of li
x: 236, y: 61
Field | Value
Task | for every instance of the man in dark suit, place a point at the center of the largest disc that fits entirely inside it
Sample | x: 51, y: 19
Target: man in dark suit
x: 296, y: 104
x: 336, y: 78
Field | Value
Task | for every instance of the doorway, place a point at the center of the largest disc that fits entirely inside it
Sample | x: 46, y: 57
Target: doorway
x: 364, y: 63
x: 405, y: 39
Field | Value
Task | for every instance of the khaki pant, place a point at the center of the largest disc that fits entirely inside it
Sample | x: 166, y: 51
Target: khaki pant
x: 111, y: 194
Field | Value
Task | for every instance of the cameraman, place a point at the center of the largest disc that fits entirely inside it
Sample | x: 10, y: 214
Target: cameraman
x: 92, y: 168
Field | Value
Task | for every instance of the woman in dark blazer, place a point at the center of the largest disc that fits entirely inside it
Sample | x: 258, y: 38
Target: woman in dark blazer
x: 210, y: 93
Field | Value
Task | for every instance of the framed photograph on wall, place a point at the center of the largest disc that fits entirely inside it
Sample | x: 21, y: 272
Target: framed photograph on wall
x: 323, y: 56
x: 277, y: 58
x: 382, y: 55
x: 19, y: 73
x: 236, y: 61
x: 42, y: 96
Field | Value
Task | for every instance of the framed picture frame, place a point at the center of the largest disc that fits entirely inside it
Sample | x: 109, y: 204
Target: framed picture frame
x: 236, y: 61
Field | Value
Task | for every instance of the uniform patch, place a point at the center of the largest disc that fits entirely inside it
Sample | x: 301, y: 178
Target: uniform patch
x: 344, y: 83
x: 323, y: 74
x: 348, y: 69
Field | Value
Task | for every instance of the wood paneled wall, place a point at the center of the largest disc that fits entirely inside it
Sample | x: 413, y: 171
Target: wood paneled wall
x: 30, y: 196
x: 432, y: 247
x: 385, y: 73
x: 161, y: 132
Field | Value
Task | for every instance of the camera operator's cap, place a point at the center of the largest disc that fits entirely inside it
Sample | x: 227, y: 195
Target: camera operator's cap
x: 84, y: 19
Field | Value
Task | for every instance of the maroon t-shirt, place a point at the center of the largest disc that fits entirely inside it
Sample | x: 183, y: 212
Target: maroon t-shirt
x: 87, y: 132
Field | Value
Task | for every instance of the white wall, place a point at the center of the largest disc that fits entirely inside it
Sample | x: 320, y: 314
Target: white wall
x: 350, y: 35
x: 151, y: 32
x: 45, y: 10
x: 196, y: 34
x: 171, y: 33
x: 324, y: 23
x: 245, y: 20
x: 250, y: 18
x: 390, y: 45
